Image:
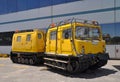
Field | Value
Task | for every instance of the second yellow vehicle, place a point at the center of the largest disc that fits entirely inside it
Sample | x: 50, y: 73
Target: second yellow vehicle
x: 28, y: 47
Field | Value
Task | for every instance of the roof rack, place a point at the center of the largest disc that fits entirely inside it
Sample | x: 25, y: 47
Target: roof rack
x: 67, y: 21
x: 92, y: 22
x: 30, y: 30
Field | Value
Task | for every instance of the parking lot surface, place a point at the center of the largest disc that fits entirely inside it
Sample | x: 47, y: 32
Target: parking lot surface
x: 11, y: 72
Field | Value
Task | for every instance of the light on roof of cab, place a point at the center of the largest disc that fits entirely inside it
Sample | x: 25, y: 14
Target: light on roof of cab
x: 52, y: 25
x: 16, y: 31
x: 95, y: 22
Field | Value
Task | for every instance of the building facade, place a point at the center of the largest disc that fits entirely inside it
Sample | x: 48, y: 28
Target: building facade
x: 31, y: 14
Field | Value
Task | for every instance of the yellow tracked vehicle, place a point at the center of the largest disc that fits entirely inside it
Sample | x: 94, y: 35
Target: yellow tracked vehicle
x: 28, y: 47
x: 75, y: 45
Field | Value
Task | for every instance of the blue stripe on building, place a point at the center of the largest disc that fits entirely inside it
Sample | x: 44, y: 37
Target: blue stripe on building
x: 62, y: 15
x: 10, y: 6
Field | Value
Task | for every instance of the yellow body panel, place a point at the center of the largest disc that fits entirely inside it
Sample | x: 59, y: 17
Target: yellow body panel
x: 28, y: 41
x: 90, y: 47
x: 65, y: 46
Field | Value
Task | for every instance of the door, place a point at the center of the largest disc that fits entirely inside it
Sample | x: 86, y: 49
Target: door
x: 40, y: 42
x: 66, y: 46
x: 19, y: 42
x: 52, y: 42
x: 17, y: 46
x: 28, y: 43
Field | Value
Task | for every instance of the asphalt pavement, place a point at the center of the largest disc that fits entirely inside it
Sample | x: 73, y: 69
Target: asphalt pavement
x: 11, y: 72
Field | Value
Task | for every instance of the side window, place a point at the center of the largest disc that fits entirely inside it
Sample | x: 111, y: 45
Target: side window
x: 53, y: 35
x: 66, y: 34
x: 18, y: 38
x: 28, y: 38
x: 39, y: 36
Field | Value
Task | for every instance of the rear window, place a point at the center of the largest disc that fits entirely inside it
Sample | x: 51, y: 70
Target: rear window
x: 28, y: 38
x: 39, y: 36
x: 18, y: 38
x: 53, y: 35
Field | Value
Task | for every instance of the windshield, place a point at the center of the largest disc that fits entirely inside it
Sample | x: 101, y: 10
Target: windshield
x: 85, y: 33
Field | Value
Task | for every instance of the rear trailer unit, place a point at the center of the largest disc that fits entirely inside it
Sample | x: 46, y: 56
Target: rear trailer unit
x: 28, y: 47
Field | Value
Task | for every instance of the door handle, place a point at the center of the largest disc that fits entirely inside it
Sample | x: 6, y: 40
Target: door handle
x: 62, y: 41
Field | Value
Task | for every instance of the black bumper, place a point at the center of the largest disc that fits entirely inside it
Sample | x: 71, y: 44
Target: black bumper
x: 94, y: 57
x: 104, y: 56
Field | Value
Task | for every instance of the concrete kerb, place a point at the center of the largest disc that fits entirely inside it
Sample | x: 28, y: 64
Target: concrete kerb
x: 4, y: 55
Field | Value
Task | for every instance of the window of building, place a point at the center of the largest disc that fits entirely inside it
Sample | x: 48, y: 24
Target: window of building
x: 28, y: 37
x: 6, y: 38
x: 18, y: 38
x: 53, y: 35
x: 66, y: 34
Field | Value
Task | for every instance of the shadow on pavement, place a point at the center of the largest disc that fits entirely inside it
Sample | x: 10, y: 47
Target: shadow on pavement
x: 117, y: 67
x: 88, y: 74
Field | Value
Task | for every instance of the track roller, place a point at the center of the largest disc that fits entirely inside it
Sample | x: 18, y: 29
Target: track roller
x: 31, y: 61
x: 22, y: 60
x: 70, y: 68
x: 19, y: 60
x: 26, y: 61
